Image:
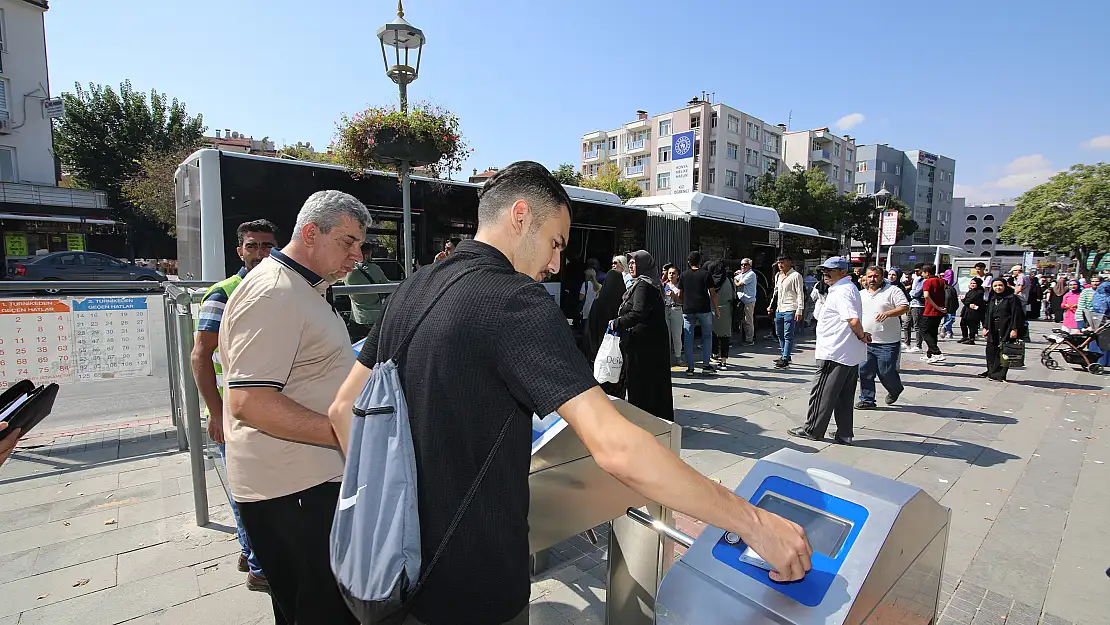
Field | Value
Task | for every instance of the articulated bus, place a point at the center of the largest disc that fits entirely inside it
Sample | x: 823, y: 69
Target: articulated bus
x: 217, y: 191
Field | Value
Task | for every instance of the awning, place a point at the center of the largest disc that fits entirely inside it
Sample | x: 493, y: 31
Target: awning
x: 711, y: 207
x: 57, y: 218
x: 805, y: 231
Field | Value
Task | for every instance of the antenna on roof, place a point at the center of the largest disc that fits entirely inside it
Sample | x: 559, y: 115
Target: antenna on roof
x: 789, y: 116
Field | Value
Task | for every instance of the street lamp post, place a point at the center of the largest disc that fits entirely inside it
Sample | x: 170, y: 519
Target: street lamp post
x: 402, y: 36
x: 882, y: 198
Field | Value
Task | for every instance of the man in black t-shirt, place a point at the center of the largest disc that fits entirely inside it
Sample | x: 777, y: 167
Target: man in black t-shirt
x: 495, y: 346
x: 699, y: 307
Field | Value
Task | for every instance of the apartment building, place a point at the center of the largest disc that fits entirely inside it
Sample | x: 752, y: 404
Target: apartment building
x: 731, y: 149
x: 820, y: 149
x: 976, y: 227
x: 922, y: 180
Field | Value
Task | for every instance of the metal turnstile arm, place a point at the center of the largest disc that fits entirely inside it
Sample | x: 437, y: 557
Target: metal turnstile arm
x: 660, y: 527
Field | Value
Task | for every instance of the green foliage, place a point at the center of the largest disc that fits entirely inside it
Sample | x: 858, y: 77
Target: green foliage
x: 567, y: 174
x: 357, y: 137
x: 303, y: 151
x: 802, y: 196
x: 608, y: 178
x: 1070, y: 212
x: 862, y: 220
x: 105, y: 135
x: 151, y: 190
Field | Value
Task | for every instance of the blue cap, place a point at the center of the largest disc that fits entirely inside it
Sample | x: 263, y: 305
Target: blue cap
x: 836, y: 262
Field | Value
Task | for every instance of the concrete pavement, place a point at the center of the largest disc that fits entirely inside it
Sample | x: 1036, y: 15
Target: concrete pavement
x: 1022, y: 466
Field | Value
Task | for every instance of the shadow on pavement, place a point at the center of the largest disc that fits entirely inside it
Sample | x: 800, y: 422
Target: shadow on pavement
x: 1059, y: 386
x: 941, y: 387
x: 708, y: 388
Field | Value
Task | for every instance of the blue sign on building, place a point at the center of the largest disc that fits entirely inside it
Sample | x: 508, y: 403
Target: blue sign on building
x: 682, y: 145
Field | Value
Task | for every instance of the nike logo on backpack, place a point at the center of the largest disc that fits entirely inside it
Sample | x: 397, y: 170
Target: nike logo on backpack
x: 348, y: 502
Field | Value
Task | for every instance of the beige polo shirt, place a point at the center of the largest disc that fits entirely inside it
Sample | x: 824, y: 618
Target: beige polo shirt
x: 279, y: 331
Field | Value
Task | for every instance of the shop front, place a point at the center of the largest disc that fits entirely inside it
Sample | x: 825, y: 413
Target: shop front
x: 27, y: 236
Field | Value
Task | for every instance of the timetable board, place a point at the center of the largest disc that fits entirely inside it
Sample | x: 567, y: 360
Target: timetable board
x: 71, y: 340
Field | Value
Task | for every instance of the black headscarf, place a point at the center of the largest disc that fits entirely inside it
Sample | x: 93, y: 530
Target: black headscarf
x: 646, y: 268
x: 716, y: 271
x: 604, y: 310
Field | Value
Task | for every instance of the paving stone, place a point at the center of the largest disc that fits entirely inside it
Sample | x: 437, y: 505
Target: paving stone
x: 57, y: 586
x: 232, y: 606
x: 121, y: 602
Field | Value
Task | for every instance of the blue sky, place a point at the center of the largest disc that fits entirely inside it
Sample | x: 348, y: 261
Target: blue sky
x: 1013, y: 90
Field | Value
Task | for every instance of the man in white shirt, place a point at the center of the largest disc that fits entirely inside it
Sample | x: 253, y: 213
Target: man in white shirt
x: 883, y: 304
x: 788, y: 303
x: 745, y: 280
x: 841, y: 348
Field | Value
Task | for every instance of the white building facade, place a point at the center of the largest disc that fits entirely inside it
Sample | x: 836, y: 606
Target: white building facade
x: 820, y: 149
x: 26, y: 153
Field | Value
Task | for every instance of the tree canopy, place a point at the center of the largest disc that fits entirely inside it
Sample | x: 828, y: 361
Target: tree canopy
x: 801, y: 196
x: 862, y: 220
x: 609, y: 179
x: 567, y: 174
x: 1069, y: 213
x: 151, y: 190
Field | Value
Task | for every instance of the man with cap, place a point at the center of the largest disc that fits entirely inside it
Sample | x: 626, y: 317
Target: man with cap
x: 841, y: 348
x: 788, y: 303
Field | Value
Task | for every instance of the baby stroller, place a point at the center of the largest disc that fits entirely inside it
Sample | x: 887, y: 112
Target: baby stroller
x: 1074, y: 347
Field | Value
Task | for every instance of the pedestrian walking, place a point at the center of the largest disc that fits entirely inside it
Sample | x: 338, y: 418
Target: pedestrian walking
x: 883, y: 305
x: 286, y: 352
x: 722, y: 324
x: 746, y: 283
x: 603, y: 311
x: 915, y: 321
x: 841, y: 348
x: 788, y: 304
x: 1003, y: 322
x: 951, y: 307
x: 1070, y: 304
x: 645, y: 344
x: 699, y: 308
x: 672, y: 302
x: 256, y: 240
x: 588, y: 293
x: 1086, y: 309
x: 482, y: 358
x: 975, y: 306
x: 932, y: 290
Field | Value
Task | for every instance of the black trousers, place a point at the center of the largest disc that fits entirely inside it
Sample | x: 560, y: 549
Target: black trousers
x: 290, y: 537
x: 910, y: 322
x: 995, y: 368
x: 721, y: 345
x: 969, y: 328
x: 930, y: 332
x: 833, y: 392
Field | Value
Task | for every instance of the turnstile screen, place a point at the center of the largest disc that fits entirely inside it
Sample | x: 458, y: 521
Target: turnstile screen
x: 826, y: 533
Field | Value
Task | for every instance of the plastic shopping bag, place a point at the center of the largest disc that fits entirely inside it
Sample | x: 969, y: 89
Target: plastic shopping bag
x: 607, y: 365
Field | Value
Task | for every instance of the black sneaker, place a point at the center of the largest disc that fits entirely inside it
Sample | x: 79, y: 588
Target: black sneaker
x: 689, y: 371
x: 891, y: 398
x: 847, y: 440
x: 800, y: 432
x: 985, y: 374
x: 782, y: 364
x: 708, y: 370
x: 865, y: 405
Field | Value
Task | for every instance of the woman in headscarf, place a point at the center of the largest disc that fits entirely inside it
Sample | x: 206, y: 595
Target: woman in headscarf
x: 975, y: 307
x: 1100, y: 309
x: 726, y: 298
x: 645, y: 344
x: 1059, y: 290
x: 1004, y: 321
x: 1070, y: 304
x: 603, y: 311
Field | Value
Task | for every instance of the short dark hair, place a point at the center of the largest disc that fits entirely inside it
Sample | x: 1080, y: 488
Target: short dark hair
x: 667, y: 267
x: 980, y: 266
x: 367, y: 249
x: 523, y: 180
x: 785, y: 257
x: 929, y: 268
x: 875, y: 268
x: 919, y: 266
x: 454, y: 241
x: 694, y: 259
x: 258, y: 225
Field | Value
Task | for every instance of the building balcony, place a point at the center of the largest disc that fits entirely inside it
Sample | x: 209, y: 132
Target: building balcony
x: 823, y: 136
x: 639, y: 124
x: 634, y: 172
x: 819, y: 157
x: 596, y: 135
x: 591, y: 156
x: 42, y: 195
x: 635, y: 147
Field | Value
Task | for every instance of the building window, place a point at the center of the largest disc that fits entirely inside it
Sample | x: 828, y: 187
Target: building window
x: 663, y: 181
x: 836, y: 150
x: 7, y: 165
x: 897, y: 170
x: 848, y: 155
x: 695, y: 122
x: 861, y: 188
x: 665, y: 154
x: 712, y: 175
x: 749, y: 182
x: 949, y: 176
x: 988, y: 219
x: 712, y: 149
x: 988, y: 230
x: 897, y: 191
x: 4, y: 88
x: 987, y: 242
x: 713, y: 120
x: 972, y: 219
x: 733, y: 151
x: 882, y: 166
x: 645, y: 185
x: 861, y: 166
x: 770, y: 166
x: 836, y: 172
x: 664, y: 128
x: 969, y: 243
x: 734, y: 124
x: 970, y: 230
x: 753, y: 131
x: 814, y: 145
x: 751, y: 157
x: 731, y: 178
x: 613, y: 145
x: 848, y: 176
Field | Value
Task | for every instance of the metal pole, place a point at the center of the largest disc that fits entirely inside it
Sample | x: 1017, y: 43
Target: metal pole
x: 889, y: 257
x: 879, y: 238
x: 406, y: 201
x: 192, y: 406
x: 172, y: 364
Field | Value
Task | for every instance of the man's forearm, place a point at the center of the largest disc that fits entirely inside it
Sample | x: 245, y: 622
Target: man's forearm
x: 269, y: 411
x: 857, y: 328
x: 204, y: 373
x: 898, y: 312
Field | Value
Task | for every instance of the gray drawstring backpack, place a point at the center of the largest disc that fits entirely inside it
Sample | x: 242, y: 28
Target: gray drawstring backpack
x: 375, y: 535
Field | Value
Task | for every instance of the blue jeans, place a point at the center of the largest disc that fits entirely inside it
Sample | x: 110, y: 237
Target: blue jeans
x: 947, y: 325
x: 882, y: 359
x: 244, y: 542
x: 785, y: 325
x: 706, y: 322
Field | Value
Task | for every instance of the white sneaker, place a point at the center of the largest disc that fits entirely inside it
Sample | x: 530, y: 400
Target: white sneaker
x: 926, y: 359
x: 912, y: 350
x: 936, y: 359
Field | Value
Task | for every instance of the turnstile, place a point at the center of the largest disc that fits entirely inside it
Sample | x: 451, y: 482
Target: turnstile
x: 570, y: 494
x: 878, y: 551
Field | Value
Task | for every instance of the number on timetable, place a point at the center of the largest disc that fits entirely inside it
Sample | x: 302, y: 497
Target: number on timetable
x: 20, y: 351
x: 42, y: 350
x: 18, y: 340
x: 41, y: 339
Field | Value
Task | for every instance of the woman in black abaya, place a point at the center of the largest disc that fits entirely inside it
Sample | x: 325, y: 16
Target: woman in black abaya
x: 645, y: 341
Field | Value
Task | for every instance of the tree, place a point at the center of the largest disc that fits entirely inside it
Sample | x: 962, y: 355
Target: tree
x: 566, y: 174
x: 608, y: 178
x: 303, y: 151
x: 151, y: 191
x: 862, y: 220
x: 1070, y: 212
x: 802, y: 196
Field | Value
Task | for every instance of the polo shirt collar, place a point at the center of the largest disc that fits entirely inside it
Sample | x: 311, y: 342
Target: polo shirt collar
x: 310, y: 276
x: 470, y: 246
x: 242, y: 272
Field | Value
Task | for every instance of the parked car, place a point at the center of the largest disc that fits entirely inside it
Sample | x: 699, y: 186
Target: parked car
x: 81, y: 266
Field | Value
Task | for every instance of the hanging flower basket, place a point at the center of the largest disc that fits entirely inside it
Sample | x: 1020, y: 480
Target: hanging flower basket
x: 382, y: 137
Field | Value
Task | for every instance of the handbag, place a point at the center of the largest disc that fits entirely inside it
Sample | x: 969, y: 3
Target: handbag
x: 1013, y: 354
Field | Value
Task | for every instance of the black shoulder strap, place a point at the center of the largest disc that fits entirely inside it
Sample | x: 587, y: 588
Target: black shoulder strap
x: 423, y: 315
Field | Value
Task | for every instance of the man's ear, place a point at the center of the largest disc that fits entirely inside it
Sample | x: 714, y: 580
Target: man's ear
x: 520, y: 215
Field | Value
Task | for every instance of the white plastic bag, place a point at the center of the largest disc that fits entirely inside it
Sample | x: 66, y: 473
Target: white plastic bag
x: 607, y: 365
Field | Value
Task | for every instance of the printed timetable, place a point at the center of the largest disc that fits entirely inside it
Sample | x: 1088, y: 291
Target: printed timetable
x: 71, y: 340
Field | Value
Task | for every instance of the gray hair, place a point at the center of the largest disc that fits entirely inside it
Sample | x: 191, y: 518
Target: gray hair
x: 327, y: 208
x: 745, y: 261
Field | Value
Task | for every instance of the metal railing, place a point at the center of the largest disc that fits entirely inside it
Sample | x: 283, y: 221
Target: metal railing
x: 25, y: 193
